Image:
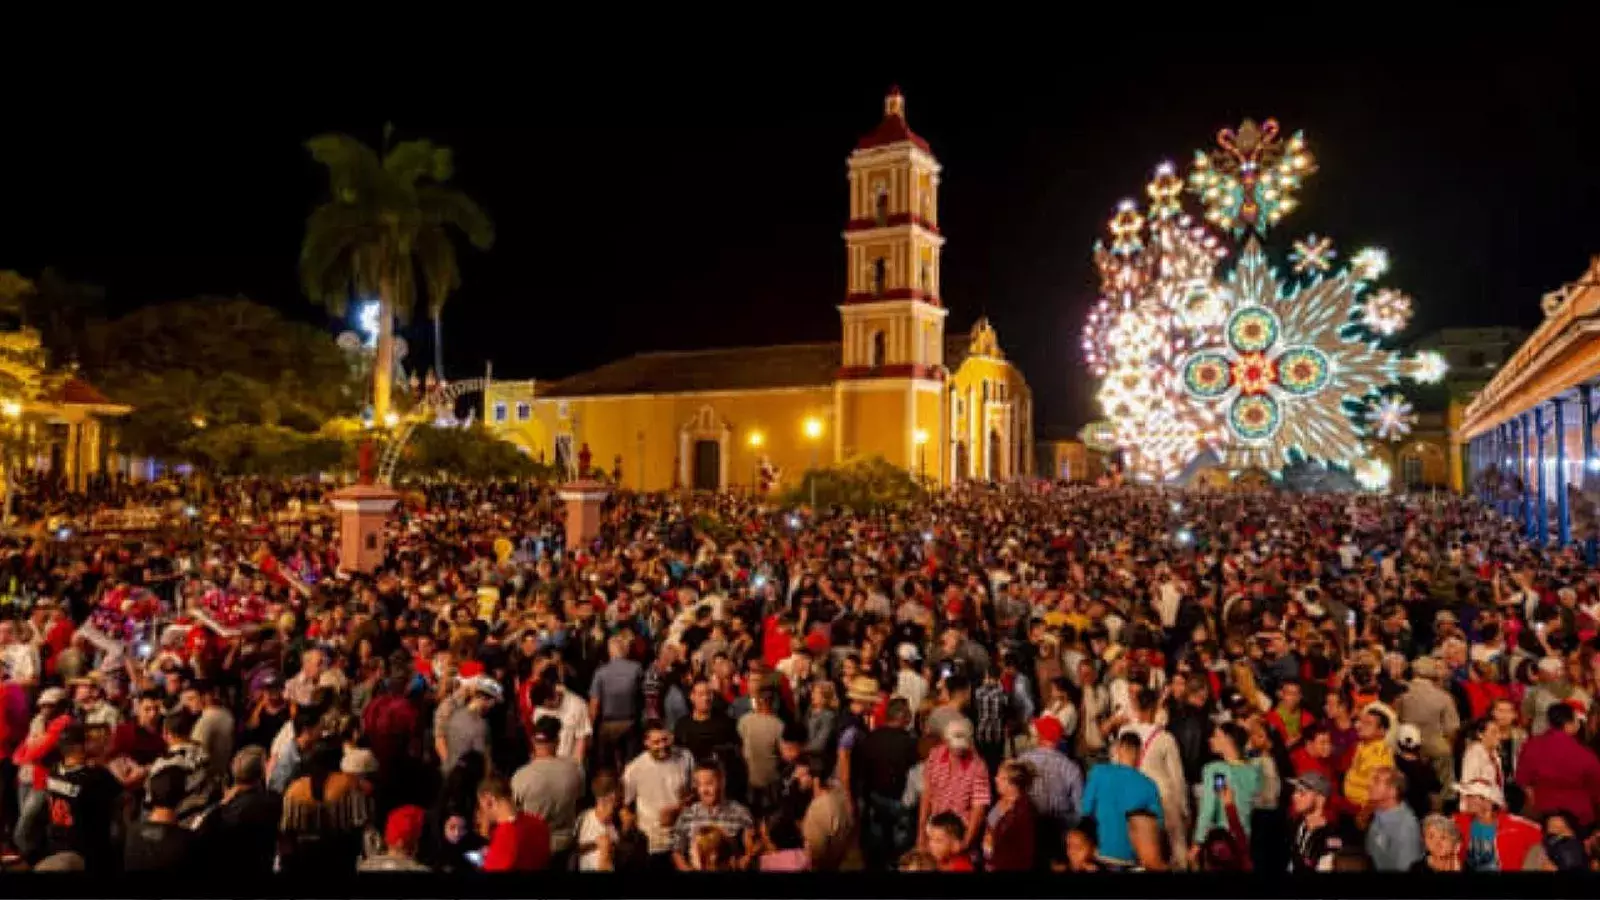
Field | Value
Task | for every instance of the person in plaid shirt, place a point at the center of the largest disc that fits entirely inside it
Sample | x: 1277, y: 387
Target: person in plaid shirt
x: 993, y: 707
x: 712, y: 809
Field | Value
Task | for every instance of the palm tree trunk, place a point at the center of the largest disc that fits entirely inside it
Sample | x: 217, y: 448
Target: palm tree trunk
x: 383, y: 363
x: 438, y: 345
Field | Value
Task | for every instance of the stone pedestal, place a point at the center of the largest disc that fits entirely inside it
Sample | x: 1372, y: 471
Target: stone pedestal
x: 583, y: 498
x: 363, y: 509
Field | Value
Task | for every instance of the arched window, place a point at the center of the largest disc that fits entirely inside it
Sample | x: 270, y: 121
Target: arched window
x: 880, y: 349
x: 880, y: 212
x: 880, y: 274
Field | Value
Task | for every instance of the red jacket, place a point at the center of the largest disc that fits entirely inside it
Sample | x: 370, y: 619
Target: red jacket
x: 1562, y: 774
x: 35, y: 752
x: 1514, y: 837
x: 1276, y: 723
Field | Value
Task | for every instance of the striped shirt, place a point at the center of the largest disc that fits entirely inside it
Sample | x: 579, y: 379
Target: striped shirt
x: 731, y: 818
x: 953, y: 784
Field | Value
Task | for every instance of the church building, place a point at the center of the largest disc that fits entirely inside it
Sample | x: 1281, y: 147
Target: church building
x: 947, y: 409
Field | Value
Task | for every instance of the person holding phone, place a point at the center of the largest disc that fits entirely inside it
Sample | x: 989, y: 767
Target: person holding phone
x: 1230, y: 772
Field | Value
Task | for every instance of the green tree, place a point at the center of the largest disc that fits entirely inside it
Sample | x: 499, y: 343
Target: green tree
x: 62, y: 311
x: 199, y: 364
x: 386, y: 224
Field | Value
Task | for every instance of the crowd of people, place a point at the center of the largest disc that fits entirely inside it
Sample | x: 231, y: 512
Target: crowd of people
x: 1034, y: 677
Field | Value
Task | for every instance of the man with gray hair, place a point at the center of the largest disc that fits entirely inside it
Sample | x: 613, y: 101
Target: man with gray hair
x: 240, y: 836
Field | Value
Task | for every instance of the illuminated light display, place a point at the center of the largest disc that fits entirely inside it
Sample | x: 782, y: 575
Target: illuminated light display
x: 1196, y: 352
x: 1390, y: 417
x: 1370, y: 264
x: 1312, y: 255
x: 1427, y: 367
x: 1372, y: 474
x: 1386, y: 312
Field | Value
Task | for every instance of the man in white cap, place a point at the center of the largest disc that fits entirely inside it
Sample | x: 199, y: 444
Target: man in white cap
x: 466, y: 729
x: 1493, y: 839
x: 955, y: 780
x: 909, y: 682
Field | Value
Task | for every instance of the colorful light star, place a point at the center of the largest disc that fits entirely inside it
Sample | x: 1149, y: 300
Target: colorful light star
x: 1386, y: 312
x: 1313, y: 254
x: 1126, y: 226
x: 1391, y: 417
x: 1370, y: 264
x: 1165, y: 189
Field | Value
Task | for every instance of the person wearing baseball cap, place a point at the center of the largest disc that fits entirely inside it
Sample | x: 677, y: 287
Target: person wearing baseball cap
x: 1057, y: 786
x: 1493, y: 840
x: 1315, y: 841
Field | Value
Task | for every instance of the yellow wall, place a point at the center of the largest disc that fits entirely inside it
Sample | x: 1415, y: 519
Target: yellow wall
x: 968, y: 381
x: 531, y: 434
x: 652, y: 425
x: 875, y: 421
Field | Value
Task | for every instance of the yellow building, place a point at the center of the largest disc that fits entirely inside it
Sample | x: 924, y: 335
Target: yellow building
x: 893, y: 385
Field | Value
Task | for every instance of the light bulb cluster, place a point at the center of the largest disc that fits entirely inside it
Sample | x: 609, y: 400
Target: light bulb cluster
x: 1390, y: 417
x: 1196, y: 353
x: 1372, y: 474
x: 1249, y: 181
x: 1386, y: 312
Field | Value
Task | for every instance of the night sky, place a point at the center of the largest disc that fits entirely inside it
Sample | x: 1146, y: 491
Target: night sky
x: 654, y: 211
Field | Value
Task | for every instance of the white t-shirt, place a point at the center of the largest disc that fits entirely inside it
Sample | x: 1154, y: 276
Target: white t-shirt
x: 575, y: 725
x: 655, y: 785
x: 589, y: 831
x: 910, y: 684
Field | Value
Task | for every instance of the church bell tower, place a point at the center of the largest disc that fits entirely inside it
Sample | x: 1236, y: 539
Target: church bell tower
x: 893, y: 321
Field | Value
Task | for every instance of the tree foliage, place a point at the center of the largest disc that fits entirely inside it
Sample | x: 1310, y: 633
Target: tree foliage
x: 860, y: 484
x: 270, y: 450
x: 202, y: 364
x: 471, y: 453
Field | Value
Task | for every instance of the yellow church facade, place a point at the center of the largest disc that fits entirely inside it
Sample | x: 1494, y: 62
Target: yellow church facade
x: 894, y: 385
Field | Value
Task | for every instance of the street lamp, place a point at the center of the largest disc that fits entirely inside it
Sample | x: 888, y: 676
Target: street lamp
x: 755, y: 440
x: 391, y: 419
x: 813, y: 430
x: 13, y: 413
x: 920, y: 438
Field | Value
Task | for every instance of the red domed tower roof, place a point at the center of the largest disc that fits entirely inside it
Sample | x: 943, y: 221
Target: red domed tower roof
x: 893, y: 129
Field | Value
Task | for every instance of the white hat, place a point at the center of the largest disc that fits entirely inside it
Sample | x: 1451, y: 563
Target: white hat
x: 52, y: 696
x: 488, y: 687
x: 909, y: 652
x: 1551, y: 666
x: 1485, y: 790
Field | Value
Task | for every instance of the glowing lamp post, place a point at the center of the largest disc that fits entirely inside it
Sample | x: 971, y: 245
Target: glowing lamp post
x: 755, y: 441
x: 813, y: 432
x: 920, y: 438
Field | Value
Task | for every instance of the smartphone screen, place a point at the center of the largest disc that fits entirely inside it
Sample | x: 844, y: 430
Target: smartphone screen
x: 1218, y: 782
x: 475, y: 857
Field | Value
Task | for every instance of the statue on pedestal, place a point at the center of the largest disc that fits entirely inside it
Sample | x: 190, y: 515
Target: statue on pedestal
x: 584, y: 458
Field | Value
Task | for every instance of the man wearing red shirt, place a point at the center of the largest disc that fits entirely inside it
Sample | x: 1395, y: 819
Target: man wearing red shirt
x: 1558, y: 771
x: 518, y: 841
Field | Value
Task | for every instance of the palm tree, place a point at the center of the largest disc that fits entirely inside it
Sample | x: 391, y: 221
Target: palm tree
x: 387, y: 222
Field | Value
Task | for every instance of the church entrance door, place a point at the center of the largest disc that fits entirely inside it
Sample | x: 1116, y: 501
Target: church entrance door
x: 707, y: 465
